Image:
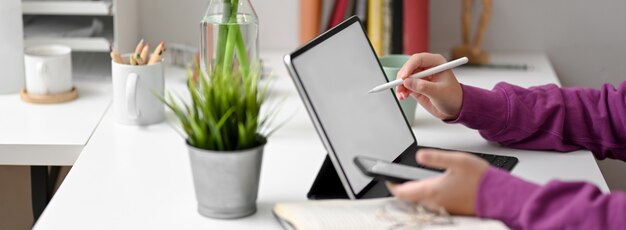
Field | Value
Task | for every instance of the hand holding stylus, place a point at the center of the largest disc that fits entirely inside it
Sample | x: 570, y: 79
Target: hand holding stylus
x: 440, y: 93
x: 421, y: 74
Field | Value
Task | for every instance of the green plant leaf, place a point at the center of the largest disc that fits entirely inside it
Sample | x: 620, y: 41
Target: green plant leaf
x: 223, y: 111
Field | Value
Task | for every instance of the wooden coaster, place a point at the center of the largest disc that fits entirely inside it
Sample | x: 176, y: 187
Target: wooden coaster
x: 49, y: 98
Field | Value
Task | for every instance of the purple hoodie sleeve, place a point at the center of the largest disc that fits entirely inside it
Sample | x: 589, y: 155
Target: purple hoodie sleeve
x: 549, y: 118
x: 557, y: 205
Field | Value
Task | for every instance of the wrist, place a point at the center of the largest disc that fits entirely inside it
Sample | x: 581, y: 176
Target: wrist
x: 502, y: 196
x: 459, y: 102
x: 481, y: 109
x: 454, y: 103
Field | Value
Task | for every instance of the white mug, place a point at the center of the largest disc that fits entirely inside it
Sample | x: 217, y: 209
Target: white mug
x: 48, y: 69
x: 135, y: 91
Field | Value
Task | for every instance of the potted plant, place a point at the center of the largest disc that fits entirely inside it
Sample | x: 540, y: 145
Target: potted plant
x: 225, y: 135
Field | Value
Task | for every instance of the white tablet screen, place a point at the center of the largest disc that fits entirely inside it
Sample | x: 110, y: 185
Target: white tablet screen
x: 336, y: 75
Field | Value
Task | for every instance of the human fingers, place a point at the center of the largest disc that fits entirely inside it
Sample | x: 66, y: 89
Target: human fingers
x: 446, y: 159
x: 402, y: 92
x: 421, y: 86
x: 420, y: 60
x: 438, y: 159
x: 414, y: 190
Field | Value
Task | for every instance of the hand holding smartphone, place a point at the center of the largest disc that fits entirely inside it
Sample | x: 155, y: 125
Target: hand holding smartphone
x: 393, y: 172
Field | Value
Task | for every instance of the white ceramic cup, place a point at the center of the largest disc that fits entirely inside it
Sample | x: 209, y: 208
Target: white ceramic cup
x: 48, y: 69
x: 134, y: 93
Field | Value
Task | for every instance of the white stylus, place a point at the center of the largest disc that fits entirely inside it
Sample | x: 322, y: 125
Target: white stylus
x: 428, y: 72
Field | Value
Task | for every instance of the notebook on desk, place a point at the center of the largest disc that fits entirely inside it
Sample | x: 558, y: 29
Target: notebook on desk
x: 378, y: 213
x: 333, y: 74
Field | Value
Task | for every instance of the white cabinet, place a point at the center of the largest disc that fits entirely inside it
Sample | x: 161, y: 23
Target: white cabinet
x: 103, y: 8
x: 85, y: 26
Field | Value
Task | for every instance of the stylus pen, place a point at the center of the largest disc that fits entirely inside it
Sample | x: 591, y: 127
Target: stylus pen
x: 428, y: 72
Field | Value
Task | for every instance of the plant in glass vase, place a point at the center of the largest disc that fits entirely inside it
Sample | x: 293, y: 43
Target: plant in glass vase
x: 229, y: 36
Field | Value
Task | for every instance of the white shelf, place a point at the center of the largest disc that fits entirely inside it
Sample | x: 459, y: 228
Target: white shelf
x: 91, y: 66
x: 93, y: 44
x: 80, y: 34
x: 120, y: 17
x: 67, y: 7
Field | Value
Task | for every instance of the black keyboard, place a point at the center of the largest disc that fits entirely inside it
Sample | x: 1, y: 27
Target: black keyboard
x: 504, y: 162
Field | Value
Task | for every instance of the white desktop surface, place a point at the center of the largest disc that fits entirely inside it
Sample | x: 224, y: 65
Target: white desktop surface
x: 50, y: 134
x: 139, y: 177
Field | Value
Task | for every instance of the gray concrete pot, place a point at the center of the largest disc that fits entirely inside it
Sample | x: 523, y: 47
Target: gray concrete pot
x: 226, y: 182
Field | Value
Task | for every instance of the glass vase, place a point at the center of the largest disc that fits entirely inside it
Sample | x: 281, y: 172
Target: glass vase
x: 230, y: 37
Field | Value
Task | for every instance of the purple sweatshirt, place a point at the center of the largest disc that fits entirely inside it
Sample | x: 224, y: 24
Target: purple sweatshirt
x: 549, y: 118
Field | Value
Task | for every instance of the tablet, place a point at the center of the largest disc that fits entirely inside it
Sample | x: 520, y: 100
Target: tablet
x: 333, y: 74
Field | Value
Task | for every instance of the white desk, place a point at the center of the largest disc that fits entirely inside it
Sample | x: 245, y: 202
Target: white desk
x: 49, y: 135
x: 53, y: 134
x: 139, y: 178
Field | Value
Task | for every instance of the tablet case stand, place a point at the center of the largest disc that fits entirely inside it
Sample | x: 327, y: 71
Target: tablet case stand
x: 327, y: 184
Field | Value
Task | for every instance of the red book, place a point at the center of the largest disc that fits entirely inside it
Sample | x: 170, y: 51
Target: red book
x: 415, y: 28
x: 338, y: 13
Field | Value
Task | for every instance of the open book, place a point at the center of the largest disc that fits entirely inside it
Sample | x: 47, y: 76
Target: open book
x: 369, y: 214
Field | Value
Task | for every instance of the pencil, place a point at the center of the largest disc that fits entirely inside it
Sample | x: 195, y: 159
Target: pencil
x: 156, y: 55
x: 115, y: 56
x: 144, y: 55
x: 139, y: 47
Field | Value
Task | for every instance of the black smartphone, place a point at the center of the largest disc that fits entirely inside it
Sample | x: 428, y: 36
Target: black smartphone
x: 389, y: 171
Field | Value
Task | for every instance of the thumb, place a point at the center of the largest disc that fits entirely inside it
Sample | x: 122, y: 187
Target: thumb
x: 437, y: 158
x: 420, y: 86
x: 413, y: 190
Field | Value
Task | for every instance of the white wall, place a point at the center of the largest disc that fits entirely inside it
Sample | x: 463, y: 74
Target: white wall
x: 179, y: 22
x: 171, y: 21
x: 585, y: 40
x: 278, y: 23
